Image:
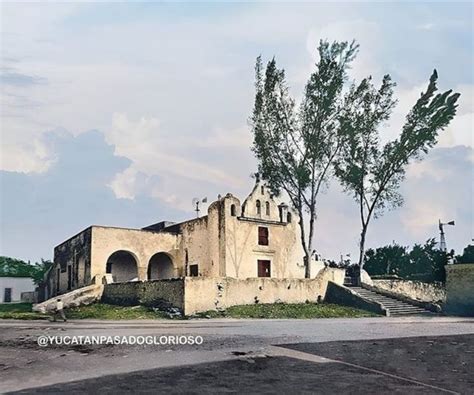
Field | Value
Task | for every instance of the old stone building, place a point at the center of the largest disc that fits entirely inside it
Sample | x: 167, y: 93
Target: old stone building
x: 258, y: 237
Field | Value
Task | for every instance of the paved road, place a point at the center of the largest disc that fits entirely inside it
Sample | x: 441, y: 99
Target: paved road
x: 254, y: 351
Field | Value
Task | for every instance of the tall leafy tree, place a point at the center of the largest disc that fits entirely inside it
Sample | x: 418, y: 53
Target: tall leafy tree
x: 371, y: 171
x: 296, y: 148
x: 391, y: 259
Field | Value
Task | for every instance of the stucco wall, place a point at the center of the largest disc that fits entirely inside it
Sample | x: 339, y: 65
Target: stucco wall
x: 460, y: 289
x: 260, y: 193
x: 196, y: 245
x: 207, y: 293
x: 17, y: 285
x: 426, y: 292
x: 242, y: 250
x: 141, y: 244
x: 149, y: 293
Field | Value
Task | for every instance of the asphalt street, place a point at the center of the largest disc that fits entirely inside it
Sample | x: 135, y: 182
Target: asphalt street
x: 365, y: 355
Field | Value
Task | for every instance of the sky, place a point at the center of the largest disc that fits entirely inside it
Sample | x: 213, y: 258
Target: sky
x: 121, y: 113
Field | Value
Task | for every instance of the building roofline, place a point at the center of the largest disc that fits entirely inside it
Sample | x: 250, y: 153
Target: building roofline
x: 179, y: 224
x: 262, y: 221
x: 72, y: 237
x: 102, y: 226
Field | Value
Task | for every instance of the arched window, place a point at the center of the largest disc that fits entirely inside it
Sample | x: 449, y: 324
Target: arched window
x: 288, y: 217
x: 267, y: 208
x: 259, y: 208
x: 262, y: 190
x: 232, y: 210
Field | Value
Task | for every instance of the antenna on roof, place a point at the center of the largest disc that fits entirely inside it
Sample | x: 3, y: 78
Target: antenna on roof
x: 196, y: 202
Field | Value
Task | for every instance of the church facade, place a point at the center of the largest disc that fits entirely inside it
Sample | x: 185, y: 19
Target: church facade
x: 258, y: 237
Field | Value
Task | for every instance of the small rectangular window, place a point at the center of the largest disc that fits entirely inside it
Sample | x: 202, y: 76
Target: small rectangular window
x: 193, y: 270
x: 262, y: 236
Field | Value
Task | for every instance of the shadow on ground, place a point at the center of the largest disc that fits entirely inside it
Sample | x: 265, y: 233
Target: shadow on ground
x: 435, y: 364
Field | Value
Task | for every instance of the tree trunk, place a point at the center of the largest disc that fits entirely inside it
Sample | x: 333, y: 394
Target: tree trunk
x: 307, y: 251
x: 307, y: 263
x: 361, y: 251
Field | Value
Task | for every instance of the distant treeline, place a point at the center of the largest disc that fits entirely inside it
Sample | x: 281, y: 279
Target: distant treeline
x: 18, y: 268
x: 423, y: 262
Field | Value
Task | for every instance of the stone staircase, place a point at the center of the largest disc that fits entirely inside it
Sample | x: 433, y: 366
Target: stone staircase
x: 395, y: 306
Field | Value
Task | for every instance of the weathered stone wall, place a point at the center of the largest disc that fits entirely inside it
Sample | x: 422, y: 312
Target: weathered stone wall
x: 207, y: 293
x: 425, y: 292
x: 72, y: 255
x: 460, y: 289
x: 29, y: 297
x: 148, y: 293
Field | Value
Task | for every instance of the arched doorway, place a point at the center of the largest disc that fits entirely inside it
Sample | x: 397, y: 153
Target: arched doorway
x: 123, y: 266
x: 160, y: 267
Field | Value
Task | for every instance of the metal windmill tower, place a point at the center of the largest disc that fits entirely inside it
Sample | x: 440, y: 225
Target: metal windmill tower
x: 442, y: 239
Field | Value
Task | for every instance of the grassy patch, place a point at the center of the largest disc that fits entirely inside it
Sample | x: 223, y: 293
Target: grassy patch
x: 283, y: 310
x: 22, y: 311
x: 19, y: 311
x: 15, y: 307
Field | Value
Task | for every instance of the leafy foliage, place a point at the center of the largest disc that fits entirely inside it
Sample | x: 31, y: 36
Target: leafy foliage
x: 424, y: 262
x: 467, y: 256
x: 295, y: 148
x: 18, y: 268
x: 372, y: 172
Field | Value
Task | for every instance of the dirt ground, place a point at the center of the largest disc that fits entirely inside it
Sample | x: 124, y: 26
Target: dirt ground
x: 441, y: 364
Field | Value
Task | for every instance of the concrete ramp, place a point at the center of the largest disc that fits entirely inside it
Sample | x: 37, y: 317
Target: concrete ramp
x: 78, y: 297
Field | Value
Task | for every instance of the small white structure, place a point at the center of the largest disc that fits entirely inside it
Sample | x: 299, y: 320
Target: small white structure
x: 11, y: 288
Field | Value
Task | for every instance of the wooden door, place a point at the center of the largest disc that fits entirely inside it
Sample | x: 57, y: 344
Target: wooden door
x: 7, y: 296
x: 263, y: 268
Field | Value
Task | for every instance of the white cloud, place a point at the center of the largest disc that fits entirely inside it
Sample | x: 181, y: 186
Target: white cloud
x: 35, y: 157
x: 154, y: 152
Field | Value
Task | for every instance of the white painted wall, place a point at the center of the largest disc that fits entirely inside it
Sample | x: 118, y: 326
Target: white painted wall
x: 18, y: 285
